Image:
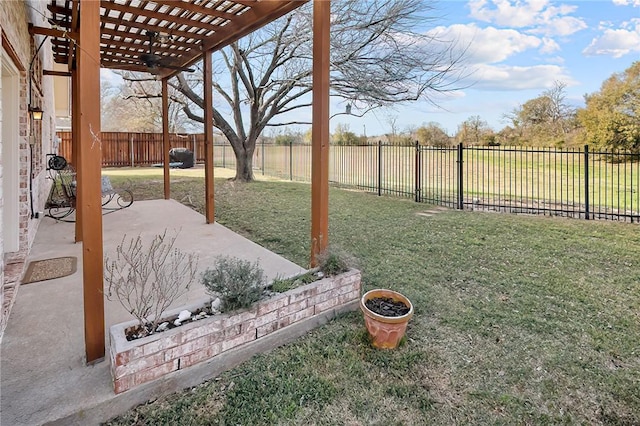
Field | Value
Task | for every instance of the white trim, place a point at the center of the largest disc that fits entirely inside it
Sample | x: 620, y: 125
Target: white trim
x: 9, y: 152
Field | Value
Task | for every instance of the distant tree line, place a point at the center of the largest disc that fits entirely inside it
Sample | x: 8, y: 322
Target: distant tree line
x: 610, y: 119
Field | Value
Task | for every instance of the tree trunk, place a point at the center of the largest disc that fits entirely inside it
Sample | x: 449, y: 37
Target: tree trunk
x: 244, y: 165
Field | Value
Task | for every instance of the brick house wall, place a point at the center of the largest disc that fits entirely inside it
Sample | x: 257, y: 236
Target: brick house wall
x: 20, y: 48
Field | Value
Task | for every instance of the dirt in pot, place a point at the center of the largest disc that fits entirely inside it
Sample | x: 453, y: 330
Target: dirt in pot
x: 387, y: 307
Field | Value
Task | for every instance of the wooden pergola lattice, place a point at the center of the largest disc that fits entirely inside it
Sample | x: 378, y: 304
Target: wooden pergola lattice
x: 185, y: 28
x: 164, y: 37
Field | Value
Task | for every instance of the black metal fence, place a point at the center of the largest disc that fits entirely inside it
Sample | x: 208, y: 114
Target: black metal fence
x: 566, y: 182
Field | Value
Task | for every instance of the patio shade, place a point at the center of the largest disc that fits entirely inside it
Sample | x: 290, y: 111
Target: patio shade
x: 179, y: 30
x: 164, y: 37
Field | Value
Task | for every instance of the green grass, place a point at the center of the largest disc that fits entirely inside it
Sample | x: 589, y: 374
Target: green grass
x: 498, y: 176
x: 519, y: 319
x: 281, y: 285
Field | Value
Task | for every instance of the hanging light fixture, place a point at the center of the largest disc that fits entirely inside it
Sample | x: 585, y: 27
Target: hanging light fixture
x: 36, y: 113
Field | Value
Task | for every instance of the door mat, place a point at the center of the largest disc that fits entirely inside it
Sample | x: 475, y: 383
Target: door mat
x: 41, y: 270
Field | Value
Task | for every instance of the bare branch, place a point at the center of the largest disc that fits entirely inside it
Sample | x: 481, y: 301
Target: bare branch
x: 378, y: 58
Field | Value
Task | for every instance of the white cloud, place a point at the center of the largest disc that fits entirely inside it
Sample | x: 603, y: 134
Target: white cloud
x: 491, y: 45
x: 614, y: 42
x: 556, y: 60
x: 506, y: 14
x: 503, y: 77
x: 549, y: 45
x: 488, y: 47
x: 633, y: 25
x: 536, y: 16
x: 634, y: 3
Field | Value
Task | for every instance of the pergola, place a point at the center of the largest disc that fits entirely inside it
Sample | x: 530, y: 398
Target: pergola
x: 89, y: 34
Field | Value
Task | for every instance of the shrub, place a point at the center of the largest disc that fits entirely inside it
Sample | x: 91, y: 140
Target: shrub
x: 146, y: 280
x: 281, y: 285
x: 333, y: 262
x: 238, y: 283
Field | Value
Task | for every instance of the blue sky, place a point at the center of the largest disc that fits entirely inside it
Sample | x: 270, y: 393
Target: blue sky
x: 517, y: 49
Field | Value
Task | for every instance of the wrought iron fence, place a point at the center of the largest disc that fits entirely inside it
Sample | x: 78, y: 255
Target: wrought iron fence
x: 565, y: 182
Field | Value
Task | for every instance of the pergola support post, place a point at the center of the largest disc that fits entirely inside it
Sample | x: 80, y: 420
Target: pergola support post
x: 166, y: 144
x: 320, y: 130
x: 208, y: 137
x: 89, y: 186
x: 75, y: 144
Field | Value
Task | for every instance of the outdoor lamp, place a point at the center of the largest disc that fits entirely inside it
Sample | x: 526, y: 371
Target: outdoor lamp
x: 36, y: 113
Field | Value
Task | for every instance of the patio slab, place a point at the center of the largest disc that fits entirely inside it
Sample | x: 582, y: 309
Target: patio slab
x: 43, y: 377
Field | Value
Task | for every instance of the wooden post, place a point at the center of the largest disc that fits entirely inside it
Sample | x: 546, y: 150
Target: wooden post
x: 320, y: 130
x: 132, y: 156
x: 195, y: 149
x: 89, y: 188
x: 208, y: 137
x: 166, y: 144
x: 75, y: 145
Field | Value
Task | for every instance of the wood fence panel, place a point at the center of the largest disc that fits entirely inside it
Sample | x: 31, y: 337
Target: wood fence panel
x: 127, y: 149
x: 64, y: 148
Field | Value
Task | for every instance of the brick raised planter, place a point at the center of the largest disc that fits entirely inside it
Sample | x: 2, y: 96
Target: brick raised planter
x: 142, y: 360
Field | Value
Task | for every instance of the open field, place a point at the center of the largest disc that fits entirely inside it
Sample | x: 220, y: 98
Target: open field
x: 534, y: 177
x: 519, y: 320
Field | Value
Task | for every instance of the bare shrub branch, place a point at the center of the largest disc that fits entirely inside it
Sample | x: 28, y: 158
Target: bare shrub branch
x: 147, y: 279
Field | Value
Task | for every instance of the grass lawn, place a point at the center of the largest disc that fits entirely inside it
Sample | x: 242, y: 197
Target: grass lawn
x: 502, y: 173
x: 519, y: 319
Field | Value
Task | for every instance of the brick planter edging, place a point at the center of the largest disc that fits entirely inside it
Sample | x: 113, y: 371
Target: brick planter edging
x: 143, y: 360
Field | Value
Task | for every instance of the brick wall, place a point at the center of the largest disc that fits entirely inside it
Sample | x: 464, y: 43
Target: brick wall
x: 14, y: 19
x: 143, y: 360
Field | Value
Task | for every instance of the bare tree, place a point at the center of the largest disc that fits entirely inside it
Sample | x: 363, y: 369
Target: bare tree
x: 378, y: 58
x: 546, y: 119
x: 136, y: 107
x: 473, y: 130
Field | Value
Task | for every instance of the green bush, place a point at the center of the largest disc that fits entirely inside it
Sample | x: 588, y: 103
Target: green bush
x: 280, y: 285
x: 333, y: 262
x: 238, y: 283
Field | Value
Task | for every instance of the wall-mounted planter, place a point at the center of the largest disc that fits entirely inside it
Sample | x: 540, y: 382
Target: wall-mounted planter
x: 142, y: 360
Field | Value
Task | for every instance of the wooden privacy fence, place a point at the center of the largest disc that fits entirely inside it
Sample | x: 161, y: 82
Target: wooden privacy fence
x: 122, y: 149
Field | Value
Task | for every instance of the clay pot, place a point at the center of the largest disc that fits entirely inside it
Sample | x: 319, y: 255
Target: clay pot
x: 386, y: 332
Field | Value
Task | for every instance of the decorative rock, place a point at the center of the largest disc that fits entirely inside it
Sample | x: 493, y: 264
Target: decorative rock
x: 177, y: 323
x: 215, y: 305
x: 320, y: 274
x: 184, y: 315
x: 162, y: 327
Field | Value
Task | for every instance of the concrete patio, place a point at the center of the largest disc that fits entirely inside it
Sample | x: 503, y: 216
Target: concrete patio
x: 43, y: 375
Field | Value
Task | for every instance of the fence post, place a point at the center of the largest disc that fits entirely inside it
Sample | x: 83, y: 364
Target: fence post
x: 290, y: 160
x: 417, y: 173
x: 379, y: 168
x: 263, y: 153
x: 195, y: 151
x: 460, y: 177
x: 587, y: 212
x: 131, y: 155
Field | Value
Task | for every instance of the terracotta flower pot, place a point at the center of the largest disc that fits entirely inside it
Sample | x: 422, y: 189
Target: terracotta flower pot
x: 386, y: 332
